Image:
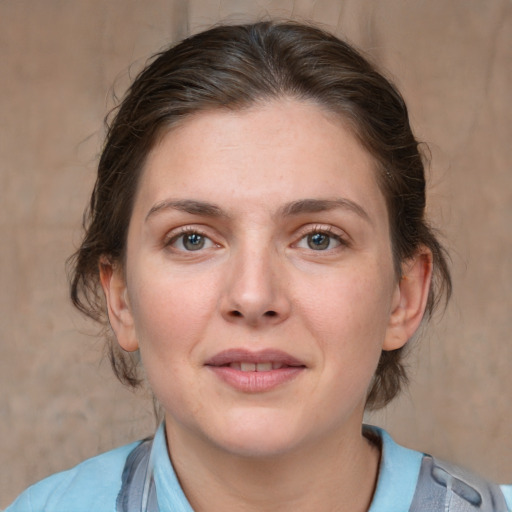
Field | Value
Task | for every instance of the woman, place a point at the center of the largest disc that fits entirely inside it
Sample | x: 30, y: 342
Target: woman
x: 257, y: 239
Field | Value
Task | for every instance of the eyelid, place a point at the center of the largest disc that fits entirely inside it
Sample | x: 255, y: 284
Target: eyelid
x: 176, y: 233
x: 327, y: 229
x: 338, y: 240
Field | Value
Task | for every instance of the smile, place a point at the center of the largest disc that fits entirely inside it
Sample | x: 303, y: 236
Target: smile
x: 255, y: 367
x: 255, y: 372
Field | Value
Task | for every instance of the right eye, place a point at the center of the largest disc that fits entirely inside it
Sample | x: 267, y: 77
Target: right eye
x: 190, y: 241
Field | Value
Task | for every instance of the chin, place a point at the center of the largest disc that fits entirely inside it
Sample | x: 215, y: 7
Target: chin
x: 258, y: 436
x: 257, y: 446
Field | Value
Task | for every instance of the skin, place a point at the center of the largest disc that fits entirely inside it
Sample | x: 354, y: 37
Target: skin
x: 263, y: 182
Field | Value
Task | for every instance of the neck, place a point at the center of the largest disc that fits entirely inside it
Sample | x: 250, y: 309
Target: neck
x: 323, y: 476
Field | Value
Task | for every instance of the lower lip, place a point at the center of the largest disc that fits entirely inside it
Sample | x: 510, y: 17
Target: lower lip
x: 256, y: 382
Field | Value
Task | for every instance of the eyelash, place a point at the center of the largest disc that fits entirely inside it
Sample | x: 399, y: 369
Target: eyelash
x: 182, y: 233
x: 326, y: 231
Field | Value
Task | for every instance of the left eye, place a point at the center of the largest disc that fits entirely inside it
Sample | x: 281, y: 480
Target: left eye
x: 191, y: 242
x: 319, y: 241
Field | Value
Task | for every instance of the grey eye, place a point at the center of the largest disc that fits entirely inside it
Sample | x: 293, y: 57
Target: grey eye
x: 318, y: 241
x: 193, y: 241
x: 190, y: 241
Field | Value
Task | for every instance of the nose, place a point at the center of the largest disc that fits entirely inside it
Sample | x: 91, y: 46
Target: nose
x: 255, y: 292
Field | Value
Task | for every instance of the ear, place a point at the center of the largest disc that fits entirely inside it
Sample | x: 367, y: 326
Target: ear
x: 410, y: 299
x: 118, y: 307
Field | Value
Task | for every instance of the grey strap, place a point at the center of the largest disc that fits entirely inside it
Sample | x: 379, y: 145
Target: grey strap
x: 443, y: 487
x: 138, y: 493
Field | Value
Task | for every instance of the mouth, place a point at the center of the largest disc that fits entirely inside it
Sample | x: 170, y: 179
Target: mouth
x: 255, y: 372
x: 260, y: 361
x: 245, y: 366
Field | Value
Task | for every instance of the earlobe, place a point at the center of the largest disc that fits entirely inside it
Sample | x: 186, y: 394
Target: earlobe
x: 410, y: 299
x: 118, y: 306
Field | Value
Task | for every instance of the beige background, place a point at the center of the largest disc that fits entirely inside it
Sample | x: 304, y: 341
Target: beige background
x: 453, y: 62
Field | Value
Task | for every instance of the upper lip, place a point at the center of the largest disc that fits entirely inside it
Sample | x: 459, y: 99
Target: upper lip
x: 240, y: 355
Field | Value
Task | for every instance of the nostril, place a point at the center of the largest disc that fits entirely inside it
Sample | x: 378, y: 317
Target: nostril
x: 235, y: 313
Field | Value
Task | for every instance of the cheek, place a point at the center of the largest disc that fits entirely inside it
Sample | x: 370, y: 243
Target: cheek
x: 349, y: 315
x: 171, y: 315
x: 171, y: 310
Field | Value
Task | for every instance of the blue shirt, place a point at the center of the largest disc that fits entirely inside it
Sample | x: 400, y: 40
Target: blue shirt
x: 94, y: 484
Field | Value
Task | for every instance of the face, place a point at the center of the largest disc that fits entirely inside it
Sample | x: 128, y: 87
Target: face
x: 259, y: 282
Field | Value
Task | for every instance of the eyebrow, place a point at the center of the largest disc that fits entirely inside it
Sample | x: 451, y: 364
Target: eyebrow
x: 188, y: 206
x: 294, y: 208
x: 320, y: 205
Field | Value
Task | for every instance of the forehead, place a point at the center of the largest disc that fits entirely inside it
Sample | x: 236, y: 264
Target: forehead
x: 269, y: 153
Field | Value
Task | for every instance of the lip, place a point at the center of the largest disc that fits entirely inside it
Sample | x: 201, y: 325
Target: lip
x: 239, y: 355
x: 255, y: 381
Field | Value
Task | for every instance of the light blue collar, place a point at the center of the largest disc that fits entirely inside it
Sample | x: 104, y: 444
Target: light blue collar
x: 398, y: 475
x: 168, y: 489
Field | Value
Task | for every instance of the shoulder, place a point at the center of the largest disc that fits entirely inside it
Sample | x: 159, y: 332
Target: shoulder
x: 92, y: 485
x: 411, y: 481
x: 444, y: 486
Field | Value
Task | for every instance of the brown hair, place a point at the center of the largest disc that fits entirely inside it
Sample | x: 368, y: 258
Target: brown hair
x: 233, y: 67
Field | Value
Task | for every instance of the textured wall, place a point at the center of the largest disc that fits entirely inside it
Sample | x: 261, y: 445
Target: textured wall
x: 453, y: 62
